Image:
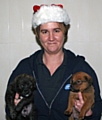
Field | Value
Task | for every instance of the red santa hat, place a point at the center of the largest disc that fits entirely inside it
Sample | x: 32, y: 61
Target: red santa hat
x: 49, y: 13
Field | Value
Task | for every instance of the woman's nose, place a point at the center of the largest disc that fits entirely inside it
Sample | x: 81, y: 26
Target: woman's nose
x: 51, y: 36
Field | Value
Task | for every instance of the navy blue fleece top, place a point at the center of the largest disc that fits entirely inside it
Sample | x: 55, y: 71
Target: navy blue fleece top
x: 55, y: 110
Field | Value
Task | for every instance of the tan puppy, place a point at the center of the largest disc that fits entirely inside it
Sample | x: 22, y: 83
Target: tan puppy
x: 82, y: 82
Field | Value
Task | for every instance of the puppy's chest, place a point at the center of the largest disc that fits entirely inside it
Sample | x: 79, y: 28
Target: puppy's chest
x: 27, y: 109
x: 74, y: 95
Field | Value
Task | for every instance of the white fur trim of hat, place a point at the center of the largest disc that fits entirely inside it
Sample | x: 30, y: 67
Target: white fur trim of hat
x: 49, y: 13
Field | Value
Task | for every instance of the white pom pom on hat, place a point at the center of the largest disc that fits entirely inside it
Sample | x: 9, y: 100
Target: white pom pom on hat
x: 49, y: 13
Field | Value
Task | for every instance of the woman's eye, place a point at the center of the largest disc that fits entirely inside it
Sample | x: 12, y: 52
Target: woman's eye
x: 57, y: 30
x: 44, y: 31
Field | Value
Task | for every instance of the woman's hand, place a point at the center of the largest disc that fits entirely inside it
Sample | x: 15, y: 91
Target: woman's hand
x: 17, y: 99
x: 79, y: 103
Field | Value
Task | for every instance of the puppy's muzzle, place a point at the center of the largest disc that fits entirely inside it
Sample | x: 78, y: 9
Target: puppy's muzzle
x: 26, y: 93
x: 73, y: 89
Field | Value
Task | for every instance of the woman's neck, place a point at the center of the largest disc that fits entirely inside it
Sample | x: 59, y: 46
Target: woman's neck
x: 53, y: 58
x: 53, y: 61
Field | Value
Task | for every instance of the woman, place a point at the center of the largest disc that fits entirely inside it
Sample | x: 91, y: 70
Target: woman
x: 53, y: 66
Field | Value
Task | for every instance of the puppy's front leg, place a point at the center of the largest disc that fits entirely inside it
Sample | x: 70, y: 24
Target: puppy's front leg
x: 24, y: 102
x: 20, y: 105
x: 9, y: 99
x: 71, y: 102
x: 13, y: 113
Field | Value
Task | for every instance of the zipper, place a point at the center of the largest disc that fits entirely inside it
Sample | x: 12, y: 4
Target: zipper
x: 55, y: 95
x: 42, y: 95
x: 40, y: 91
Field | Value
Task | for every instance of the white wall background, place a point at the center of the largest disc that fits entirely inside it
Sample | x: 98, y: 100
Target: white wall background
x: 17, y: 40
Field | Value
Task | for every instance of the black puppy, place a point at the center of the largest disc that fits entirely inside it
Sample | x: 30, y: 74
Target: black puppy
x: 24, y: 85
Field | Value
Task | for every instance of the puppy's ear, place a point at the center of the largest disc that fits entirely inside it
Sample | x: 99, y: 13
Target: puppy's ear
x: 16, y: 83
x: 89, y: 79
x: 71, y: 80
x: 33, y: 81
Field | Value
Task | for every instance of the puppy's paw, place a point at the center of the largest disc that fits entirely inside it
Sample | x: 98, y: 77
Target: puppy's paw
x: 81, y: 117
x: 13, y: 114
x: 68, y: 112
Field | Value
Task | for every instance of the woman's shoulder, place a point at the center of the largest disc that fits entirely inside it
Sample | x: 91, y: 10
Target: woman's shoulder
x: 32, y: 57
x: 28, y: 62
x: 71, y: 55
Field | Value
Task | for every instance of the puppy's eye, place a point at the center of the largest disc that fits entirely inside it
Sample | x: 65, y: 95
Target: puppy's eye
x: 21, y: 86
x: 78, y: 82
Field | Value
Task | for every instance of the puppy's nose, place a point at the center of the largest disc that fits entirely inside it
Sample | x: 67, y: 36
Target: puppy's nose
x: 26, y: 91
x: 71, y: 87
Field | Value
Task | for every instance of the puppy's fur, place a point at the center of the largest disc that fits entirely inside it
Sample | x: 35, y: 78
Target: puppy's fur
x: 82, y: 82
x: 24, y: 85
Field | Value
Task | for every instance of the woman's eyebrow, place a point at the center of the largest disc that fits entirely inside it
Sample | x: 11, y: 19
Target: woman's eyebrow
x: 43, y: 30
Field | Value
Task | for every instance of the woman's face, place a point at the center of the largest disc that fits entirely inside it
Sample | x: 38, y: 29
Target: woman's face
x: 52, y: 37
